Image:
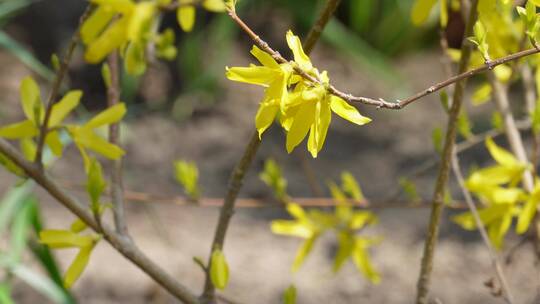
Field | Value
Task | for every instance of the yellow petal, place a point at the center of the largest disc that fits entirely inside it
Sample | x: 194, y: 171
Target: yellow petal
x: 303, y: 252
x: 112, y: 38
x: 296, y: 47
x: 501, y: 155
x: 140, y: 21
x: 258, y: 75
x: 300, y: 125
x: 186, y: 17
x: 420, y: 11
x: 119, y: 6
x: 216, y: 6
x: 19, y: 130
x: 264, y: 58
x: 346, y: 111
x: 62, y: 108
x: 527, y: 213
x: 109, y: 116
x: 95, y: 24
x: 291, y: 228
x: 265, y: 116
x: 362, y: 261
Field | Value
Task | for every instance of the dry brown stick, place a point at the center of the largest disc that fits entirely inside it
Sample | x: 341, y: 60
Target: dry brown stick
x: 117, y: 183
x: 123, y: 245
x: 381, y: 103
x: 492, y: 254
x: 442, y: 178
x: 235, y: 183
x: 60, y: 74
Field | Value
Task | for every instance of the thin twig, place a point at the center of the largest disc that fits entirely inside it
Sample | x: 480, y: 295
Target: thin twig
x: 227, y: 211
x: 123, y: 245
x: 60, y: 74
x: 500, y: 96
x: 235, y: 183
x: 492, y: 254
x: 440, y: 188
x: 381, y: 103
x: 117, y: 184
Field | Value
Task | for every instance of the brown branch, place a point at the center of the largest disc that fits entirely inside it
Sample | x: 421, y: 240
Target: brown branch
x: 227, y: 211
x: 123, y: 245
x: 117, y: 184
x: 60, y: 74
x: 442, y: 178
x: 483, y: 233
x: 381, y: 103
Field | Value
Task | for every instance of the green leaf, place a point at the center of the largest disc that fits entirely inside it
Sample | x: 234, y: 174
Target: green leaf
x: 289, y: 295
x: 62, y: 108
x: 40, y: 283
x: 64, y: 239
x: 55, y: 62
x: 5, y: 294
x: 303, y: 252
x: 464, y: 125
x: 21, y: 129
x: 481, y: 94
x: 362, y: 261
x: 409, y: 188
x: 77, y: 266
x: 274, y: 179
x: 88, y: 139
x: 11, y: 200
x: 351, y: 186
x: 30, y: 99
x: 106, y: 74
x: 19, y: 231
x: 187, y: 174
x: 53, y: 141
x: 135, y: 61
x: 109, y: 116
x: 345, y: 248
x: 95, y: 184
x: 292, y: 228
x: 219, y: 270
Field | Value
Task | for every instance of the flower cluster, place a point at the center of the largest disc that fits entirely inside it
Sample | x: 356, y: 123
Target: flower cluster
x: 302, y: 106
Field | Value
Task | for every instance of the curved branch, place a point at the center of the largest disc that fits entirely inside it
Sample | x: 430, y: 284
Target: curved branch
x: 122, y: 244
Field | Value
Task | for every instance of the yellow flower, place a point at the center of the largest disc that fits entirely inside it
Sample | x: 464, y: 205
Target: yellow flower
x: 102, y: 33
x: 309, y: 110
x: 275, y: 77
x: 186, y: 11
x: 34, y: 111
x: 306, y: 109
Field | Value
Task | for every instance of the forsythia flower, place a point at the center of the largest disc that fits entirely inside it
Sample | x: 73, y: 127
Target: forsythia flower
x: 275, y: 77
x: 102, y: 33
x: 186, y: 12
x: 306, y: 108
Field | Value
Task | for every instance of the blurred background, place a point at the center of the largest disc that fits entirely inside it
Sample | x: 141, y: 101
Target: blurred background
x: 186, y: 109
